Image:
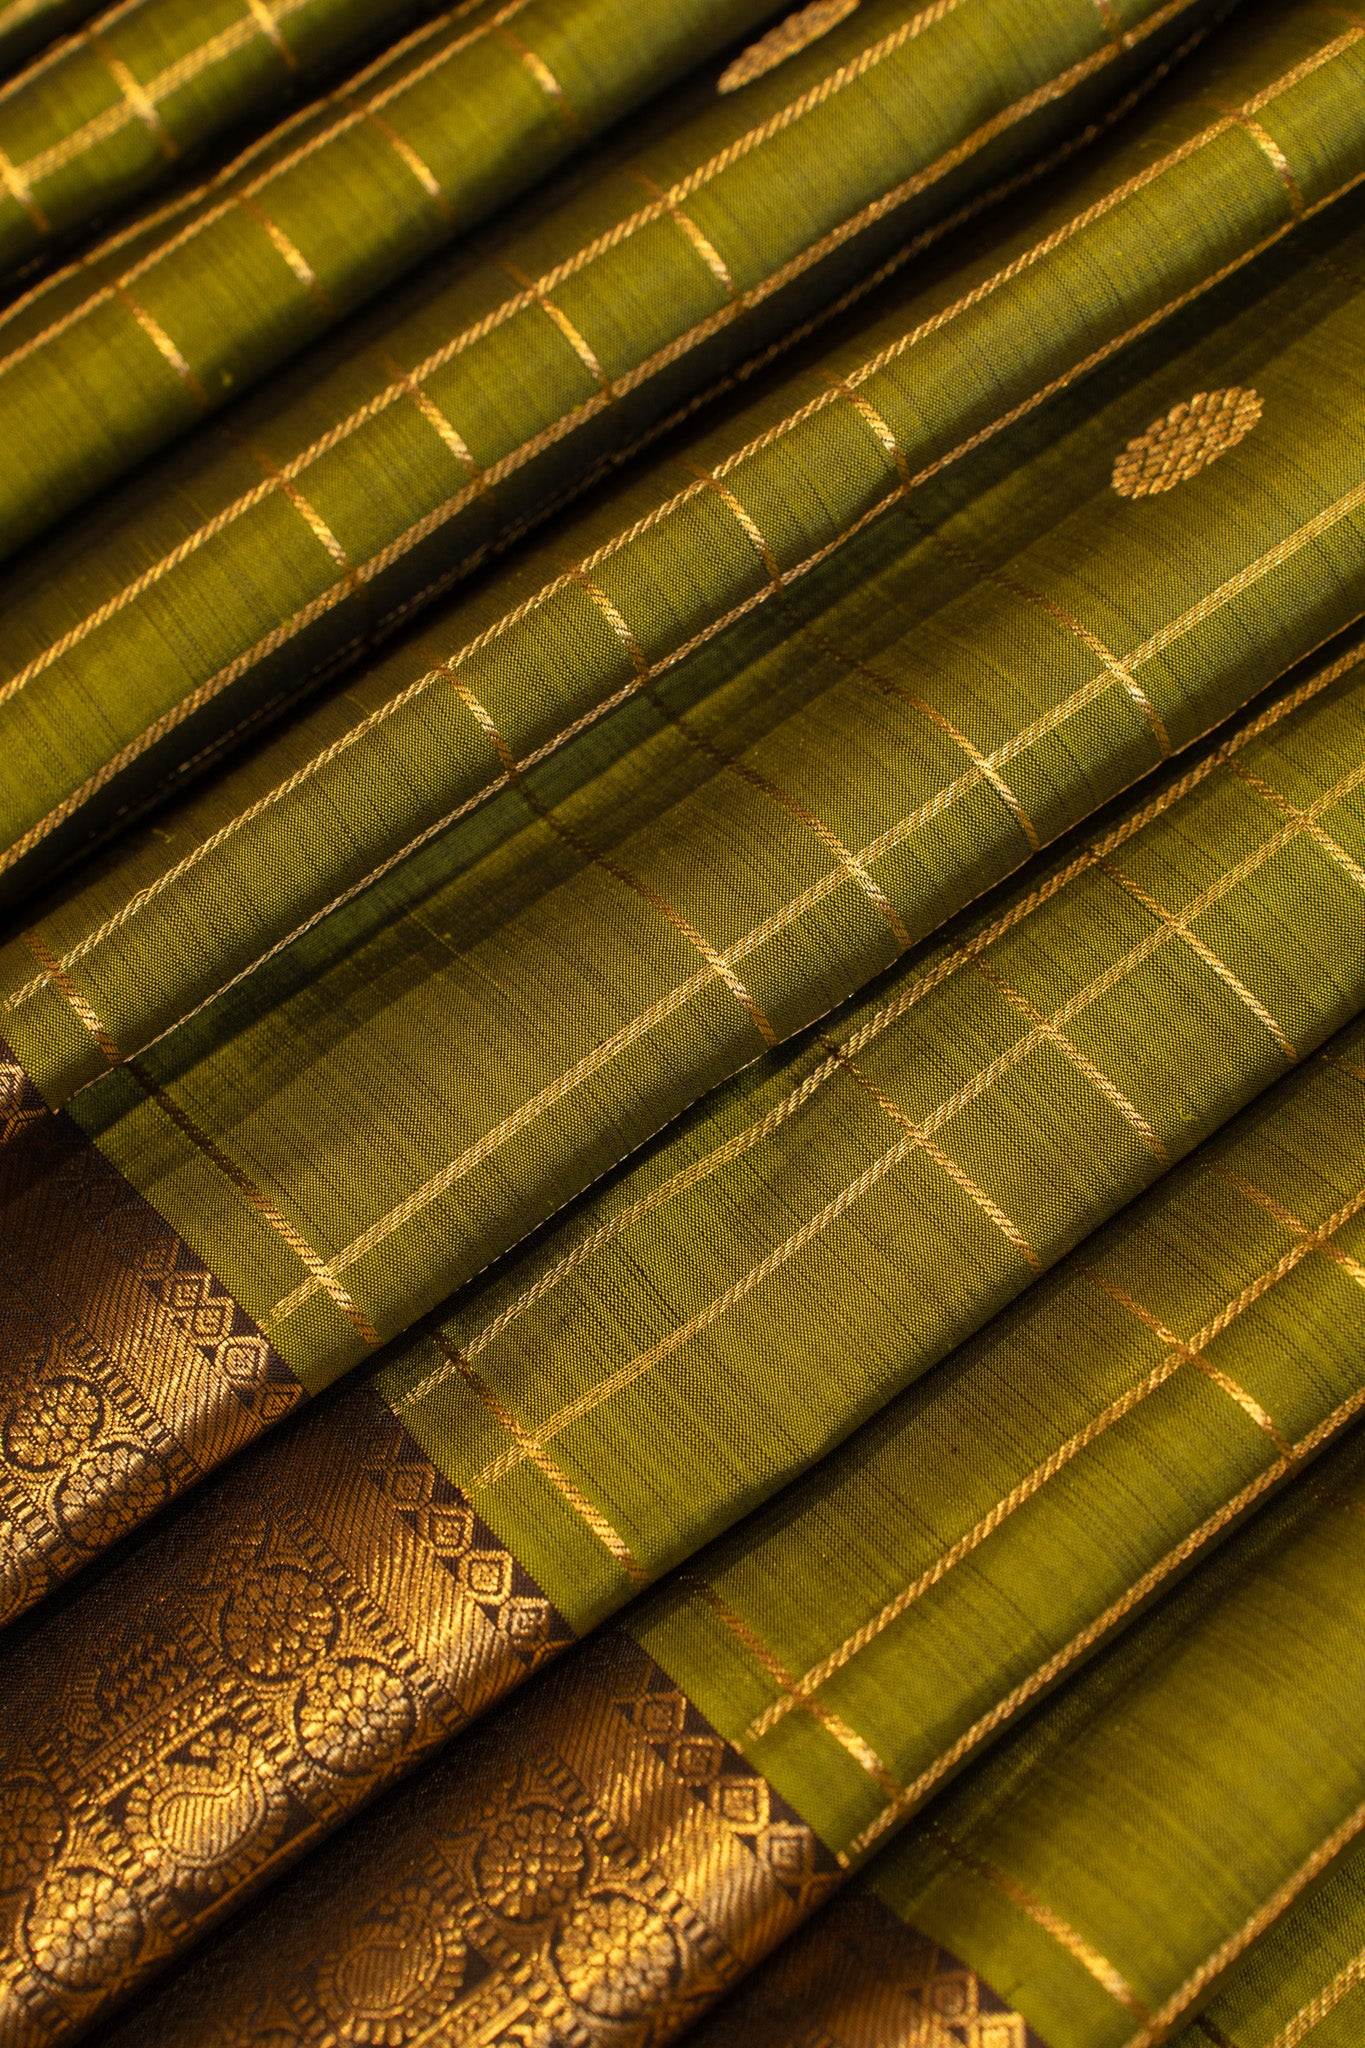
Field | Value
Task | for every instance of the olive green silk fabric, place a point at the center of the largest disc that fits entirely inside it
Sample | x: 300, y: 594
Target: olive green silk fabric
x: 375, y: 773
x: 837, y: 1221
x: 413, y: 1103
x: 102, y: 117
x: 974, y: 1542
x: 1110, y: 1861
x: 370, y: 478
x: 27, y: 25
x: 1303, y: 1981
x: 110, y: 358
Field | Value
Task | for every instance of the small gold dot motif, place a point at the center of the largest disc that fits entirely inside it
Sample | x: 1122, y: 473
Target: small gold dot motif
x: 1193, y: 434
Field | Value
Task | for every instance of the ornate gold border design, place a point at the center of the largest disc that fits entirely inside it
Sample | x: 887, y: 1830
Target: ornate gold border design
x: 278, y: 1650
x: 127, y: 1370
x: 858, y: 1977
x: 594, y: 1866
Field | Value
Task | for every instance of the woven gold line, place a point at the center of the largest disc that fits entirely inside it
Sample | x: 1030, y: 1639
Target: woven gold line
x: 1111, y: 1092
x: 828, y: 839
x: 714, y: 1310
x: 285, y: 246
x: 1253, y: 1928
x: 1336, y: 1059
x: 1307, y: 820
x: 1081, y: 1644
x: 535, y: 294
x: 79, y: 1003
x: 1235, y: 1391
x: 538, y: 69
x: 1348, y: 1979
x: 554, y: 1092
x: 434, y: 417
x: 257, y: 1199
x: 702, y: 243
x: 607, y: 1535
x: 1310, y: 1239
x: 1181, y: 1353
x: 407, y: 155
x: 508, y: 463
x: 955, y: 1172
x: 1206, y: 953
x: 306, y: 510
x: 747, y: 523
x: 1077, y: 1947
x: 862, y: 1752
x: 18, y: 188
x: 714, y: 960
x: 1274, y: 155
x: 161, y: 341
x: 270, y: 29
x: 136, y: 95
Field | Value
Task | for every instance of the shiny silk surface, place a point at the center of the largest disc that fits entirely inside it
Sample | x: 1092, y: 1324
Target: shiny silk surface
x: 796, y: 1035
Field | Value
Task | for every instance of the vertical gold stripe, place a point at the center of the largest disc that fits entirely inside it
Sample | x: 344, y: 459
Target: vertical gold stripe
x: 307, y: 511
x: 20, y: 191
x: 1307, y: 821
x: 141, y: 102
x: 271, y: 30
x: 1063, y: 1933
x: 717, y: 962
x: 578, y: 342
x: 956, y: 1173
x: 83, y: 1008
x: 539, y: 70
x: 160, y: 340
x: 1113, y: 27
x: 1049, y: 1029
x: 1271, y: 151
x: 285, y: 246
x: 701, y: 242
x: 436, y: 419
x: 863, y: 1754
x: 1206, y: 953
x: 606, y: 1533
x: 1312, y: 1239
x: 408, y: 156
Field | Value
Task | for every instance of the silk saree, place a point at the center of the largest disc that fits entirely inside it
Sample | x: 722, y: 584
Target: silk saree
x: 684, y: 940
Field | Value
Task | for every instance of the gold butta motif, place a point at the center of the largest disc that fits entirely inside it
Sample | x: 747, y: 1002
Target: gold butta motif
x: 1194, y: 433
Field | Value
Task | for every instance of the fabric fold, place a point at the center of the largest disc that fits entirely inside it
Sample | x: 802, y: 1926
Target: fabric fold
x: 107, y: 114
x: 821, y: 1673
x: 586, y: 1448
x: 121, y: 351
x: 389, y: 465
x: 361, y: 1127
x: 27, y: 25
x: 358, y: 1129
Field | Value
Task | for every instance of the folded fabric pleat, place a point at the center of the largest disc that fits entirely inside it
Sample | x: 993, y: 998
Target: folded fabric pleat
x: 369, y: 1121
x: 121, y: 351
x: 27, y: 25
x: 809, y: 1682
x: 356, y: 490
x: 99, y: 119
x: 706, y: 1329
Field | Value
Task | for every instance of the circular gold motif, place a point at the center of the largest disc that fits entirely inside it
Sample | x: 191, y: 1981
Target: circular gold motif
x: 110, y: 1489
x: 82, y: 1928
x: 355, y: 1715
x: 32, y: 1831
x: 396, y: 1976
x: 616, y: 1957
x: 53, y: 1423
x: 1193, y: 434
x: 530, y: 1863
x: 278, y: 1622
x: 196, y: 1813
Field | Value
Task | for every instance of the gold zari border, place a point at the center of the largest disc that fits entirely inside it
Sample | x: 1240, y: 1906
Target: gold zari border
x: 292, y: 1642
x: 595, y: 1867
x: 127, y: 1370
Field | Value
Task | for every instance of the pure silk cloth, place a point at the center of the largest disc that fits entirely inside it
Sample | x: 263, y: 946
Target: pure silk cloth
x: 629, y: 1839
x: 358, y: 1129
x: 193, y: 302
x: 360, y: 1590
x: 356, y: 490
x: 108, y: 112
